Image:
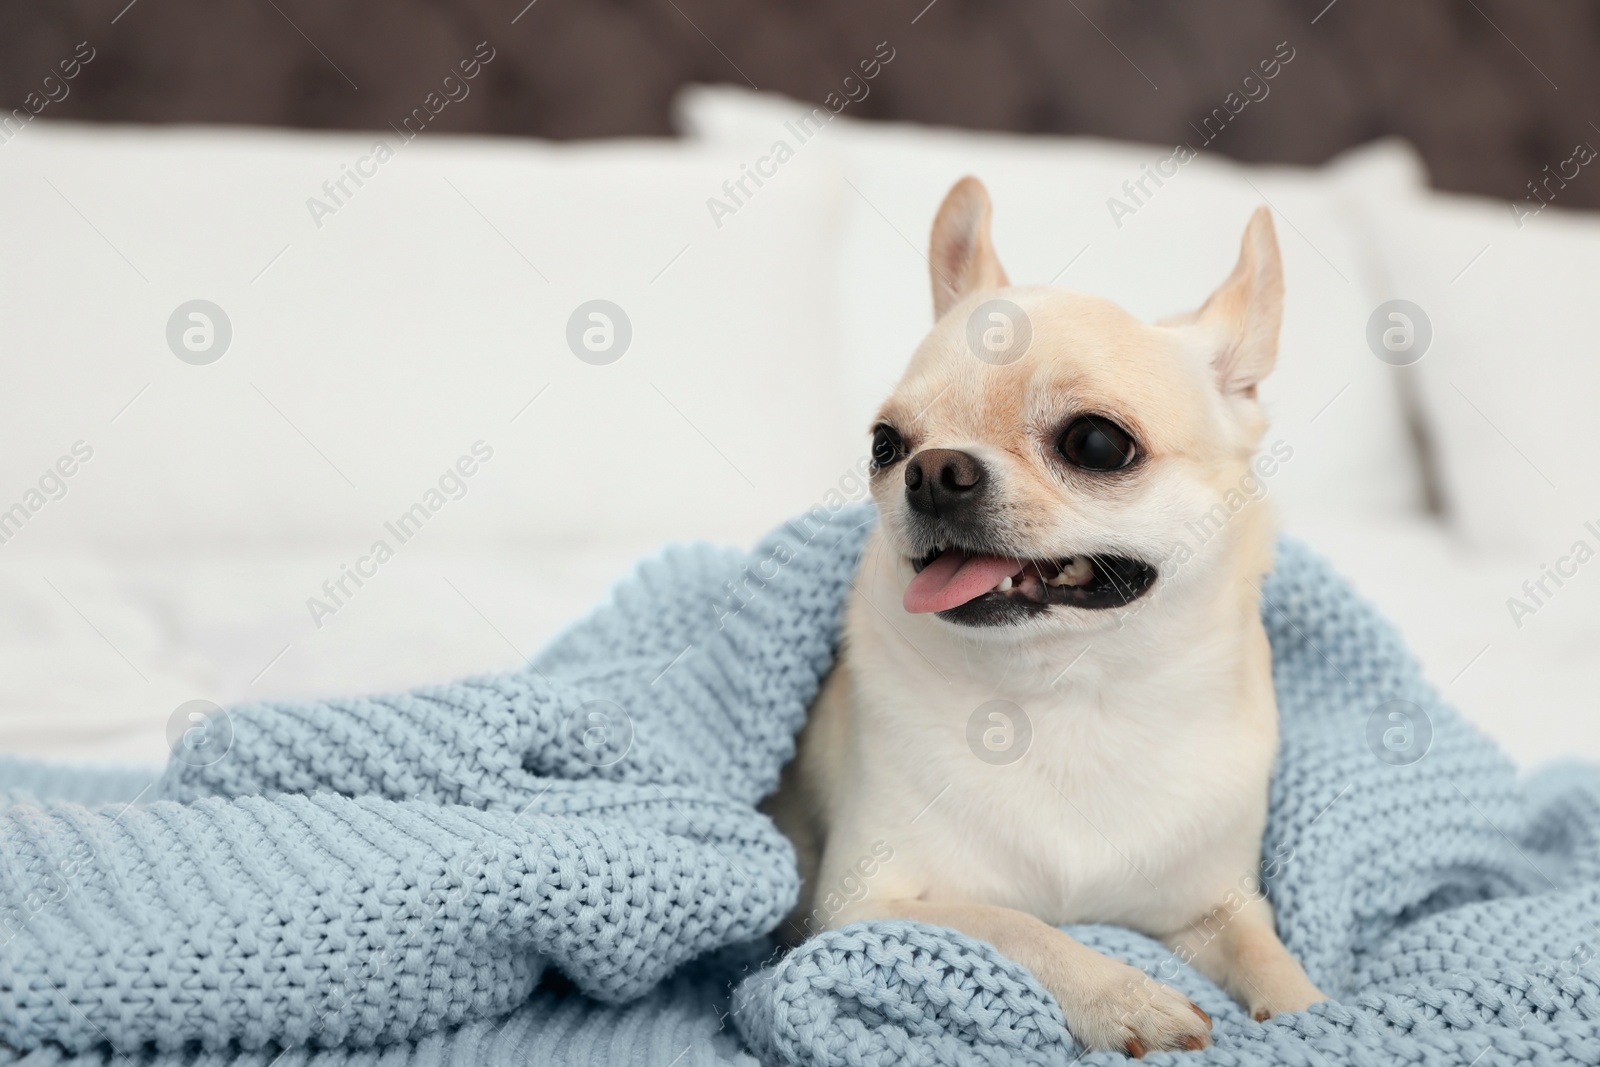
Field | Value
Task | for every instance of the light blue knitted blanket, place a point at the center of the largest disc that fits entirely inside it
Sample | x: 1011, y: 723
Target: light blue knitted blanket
x: 564, y: 865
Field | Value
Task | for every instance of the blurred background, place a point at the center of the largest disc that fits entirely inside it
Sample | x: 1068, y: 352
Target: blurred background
x: 351, y: 346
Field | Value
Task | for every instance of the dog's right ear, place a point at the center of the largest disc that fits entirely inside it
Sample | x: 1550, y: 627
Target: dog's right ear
x: 961, y: 257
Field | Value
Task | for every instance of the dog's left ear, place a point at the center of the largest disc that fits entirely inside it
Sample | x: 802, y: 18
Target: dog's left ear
x: 1246, y: 310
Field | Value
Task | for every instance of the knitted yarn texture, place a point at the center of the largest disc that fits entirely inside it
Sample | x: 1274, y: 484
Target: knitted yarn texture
x: 405, y: 871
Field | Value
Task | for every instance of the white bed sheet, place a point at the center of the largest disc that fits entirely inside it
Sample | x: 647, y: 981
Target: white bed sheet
x: 96, y: 654
x: 1532, y: 688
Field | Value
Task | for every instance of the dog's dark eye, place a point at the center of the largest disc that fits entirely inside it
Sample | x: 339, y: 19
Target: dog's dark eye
x: 1097, y: 444
x: 887, y: 447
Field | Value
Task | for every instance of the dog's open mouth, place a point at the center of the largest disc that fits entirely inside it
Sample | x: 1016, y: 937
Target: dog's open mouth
x: 986, y: 590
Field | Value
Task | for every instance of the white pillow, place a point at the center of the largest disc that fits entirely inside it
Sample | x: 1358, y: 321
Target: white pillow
x: 1161, y: 251
x: 1511, y: 380
x: 378, y: 335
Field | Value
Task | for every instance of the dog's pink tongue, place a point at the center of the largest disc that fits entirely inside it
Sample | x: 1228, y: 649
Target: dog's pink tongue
x: 955, y: 578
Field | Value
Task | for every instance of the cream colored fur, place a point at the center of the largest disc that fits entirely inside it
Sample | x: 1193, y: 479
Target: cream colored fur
x: 1141, y: 799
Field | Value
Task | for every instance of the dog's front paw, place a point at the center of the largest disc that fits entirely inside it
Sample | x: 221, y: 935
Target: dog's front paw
x: 1264, y: 1000
x: 1123, y: 1008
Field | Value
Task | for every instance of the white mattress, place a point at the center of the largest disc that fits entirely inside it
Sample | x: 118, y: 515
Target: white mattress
x: 1534, y: 689
x: 95, y: 654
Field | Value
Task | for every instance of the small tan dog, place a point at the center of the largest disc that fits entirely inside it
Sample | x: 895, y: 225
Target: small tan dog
x: 1049, y: 707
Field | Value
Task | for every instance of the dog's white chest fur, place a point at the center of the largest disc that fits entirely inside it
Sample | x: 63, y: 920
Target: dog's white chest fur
x: 1096, y: 801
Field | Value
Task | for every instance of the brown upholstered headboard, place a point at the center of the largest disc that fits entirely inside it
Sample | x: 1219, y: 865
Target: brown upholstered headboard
x: 1491, y: 91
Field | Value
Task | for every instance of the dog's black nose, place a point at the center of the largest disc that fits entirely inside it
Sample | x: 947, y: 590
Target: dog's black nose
x: 943, y: 482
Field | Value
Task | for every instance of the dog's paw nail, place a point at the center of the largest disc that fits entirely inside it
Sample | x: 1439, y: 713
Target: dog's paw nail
x: 1261, y: 1015
x: 1133, y: 1014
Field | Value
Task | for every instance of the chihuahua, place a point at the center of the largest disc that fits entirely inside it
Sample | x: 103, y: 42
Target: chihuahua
x: 1050, y: 707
